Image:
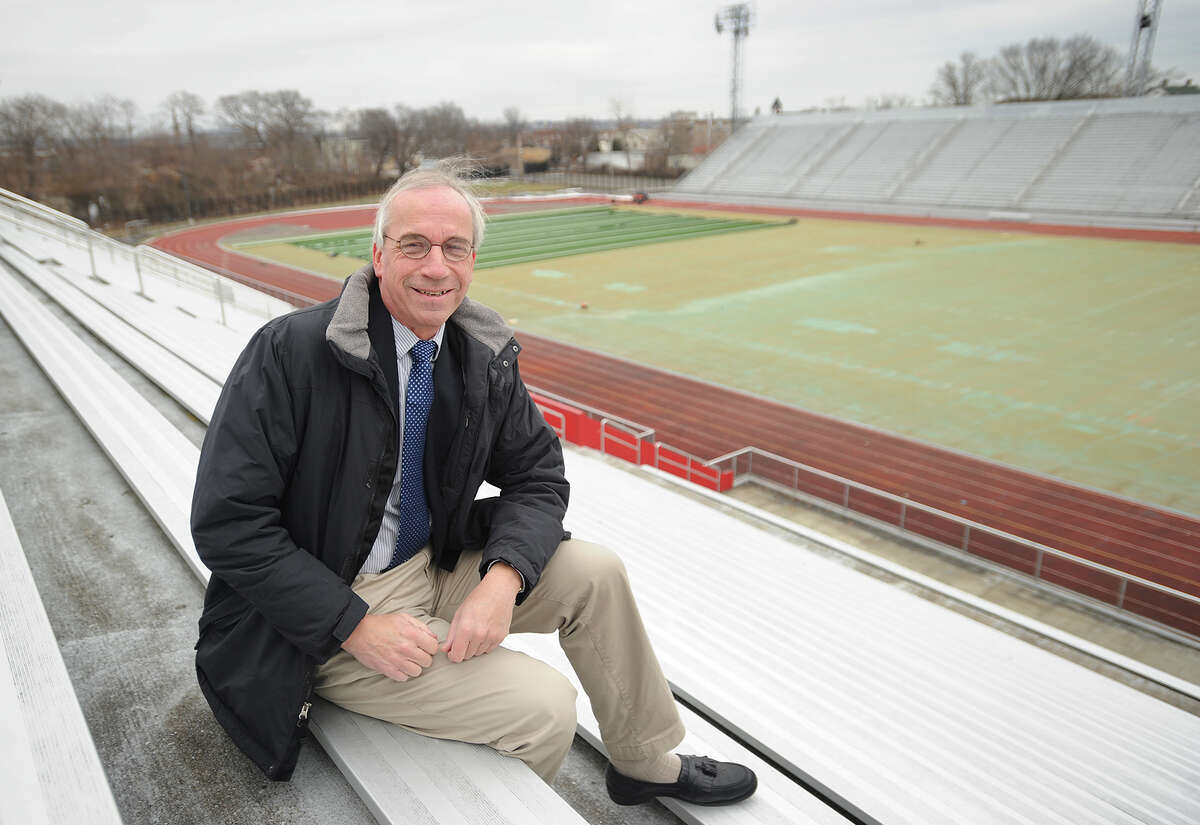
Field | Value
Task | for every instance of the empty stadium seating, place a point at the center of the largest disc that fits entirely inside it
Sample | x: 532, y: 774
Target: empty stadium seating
x: 1038, y: 158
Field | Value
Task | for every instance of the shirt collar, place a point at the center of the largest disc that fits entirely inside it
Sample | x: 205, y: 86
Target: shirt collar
x: 405, y: 338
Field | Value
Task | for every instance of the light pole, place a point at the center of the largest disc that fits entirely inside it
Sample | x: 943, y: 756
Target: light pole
x: 1145, y: 26
x: 737, y: 19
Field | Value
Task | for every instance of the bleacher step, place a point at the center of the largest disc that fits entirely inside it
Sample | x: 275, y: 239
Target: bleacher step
x: 160, y: 465
x: 163, y: 475
x: 873, y: 693
x: 51, y: 772
x: 193, y: 389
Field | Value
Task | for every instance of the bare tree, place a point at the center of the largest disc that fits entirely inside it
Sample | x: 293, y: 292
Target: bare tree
x: 514, y: 124
x: 377, y: 128
x: 247, y: 113
x: 674, y: 139
x: 443, y: 130
x: 29, y: 128
x: 1048, y: 69
x: 959, y: 84
x: 95, y: 157
x: 408, y: 137
x: 184, y: 109
x: 291, y: 123
x: 576, y: 136
x: 623, y: 121
x: 889, y: 101
x: 282, y: 124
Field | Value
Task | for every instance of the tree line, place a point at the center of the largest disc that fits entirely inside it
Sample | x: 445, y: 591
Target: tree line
x: 247, y: 151
x: 1043, y: 68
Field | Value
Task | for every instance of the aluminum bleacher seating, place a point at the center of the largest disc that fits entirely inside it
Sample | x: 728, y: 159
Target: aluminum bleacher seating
x: 725, y: 154
x: 160, y: 465
x: 51, y: 772
x: 1006, y: 171
x: 1129, y: 157
x: 949, y: 170
x: 900, y: 710
x: 885, y: 161
x: 1119, y: 145
x: 1162, y: 180
x: 849, y: 150
x: 771, y: 166
x: 400, y: 776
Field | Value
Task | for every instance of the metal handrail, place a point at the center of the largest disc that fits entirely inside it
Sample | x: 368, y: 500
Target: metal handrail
x: 634, y: 445
x: 962, y: 521
x: 561, y: 429
x: 688, y: 465
x: 641, y: 431
x: 967, y: 524
x: 73, y: 233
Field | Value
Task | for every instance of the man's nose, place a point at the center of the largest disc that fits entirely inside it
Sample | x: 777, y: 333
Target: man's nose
x: 435, y: 260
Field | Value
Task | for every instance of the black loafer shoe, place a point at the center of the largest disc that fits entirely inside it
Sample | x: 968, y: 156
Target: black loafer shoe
x: 702, y: 781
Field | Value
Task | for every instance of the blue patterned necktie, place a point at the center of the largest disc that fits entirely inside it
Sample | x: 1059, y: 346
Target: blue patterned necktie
x: 413, y: 531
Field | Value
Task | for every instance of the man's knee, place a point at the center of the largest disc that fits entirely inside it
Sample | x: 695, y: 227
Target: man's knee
x: 544, y: 724
x: 553, y: 705
x: 591, y: 565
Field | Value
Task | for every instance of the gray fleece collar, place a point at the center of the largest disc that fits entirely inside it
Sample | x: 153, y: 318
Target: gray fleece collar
x: 348, y: 329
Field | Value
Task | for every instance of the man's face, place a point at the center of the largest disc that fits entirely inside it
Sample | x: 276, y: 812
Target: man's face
x: 422, y: 294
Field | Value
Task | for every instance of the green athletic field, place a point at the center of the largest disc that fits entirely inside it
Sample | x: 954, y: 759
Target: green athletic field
x: 1077, y: 357
x: 520, y: 238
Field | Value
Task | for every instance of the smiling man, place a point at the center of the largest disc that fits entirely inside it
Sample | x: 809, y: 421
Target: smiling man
x: 335, y: 504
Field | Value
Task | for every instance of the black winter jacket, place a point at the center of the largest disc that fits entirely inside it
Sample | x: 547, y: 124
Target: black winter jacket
x: 294, y: 473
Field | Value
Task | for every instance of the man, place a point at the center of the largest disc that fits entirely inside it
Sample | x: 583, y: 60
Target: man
x: 335, y: 505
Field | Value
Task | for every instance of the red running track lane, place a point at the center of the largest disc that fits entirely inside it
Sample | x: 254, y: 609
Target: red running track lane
x: 202, y: 244
x: 708, y: 421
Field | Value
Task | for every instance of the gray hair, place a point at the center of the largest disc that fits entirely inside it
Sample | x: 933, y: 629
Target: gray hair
x: 454, y: 173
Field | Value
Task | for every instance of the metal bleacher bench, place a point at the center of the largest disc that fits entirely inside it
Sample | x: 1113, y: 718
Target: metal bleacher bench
x: 49, y: 770
x: 160, y: 463
x: 402, y: 777
x: 899, y: 710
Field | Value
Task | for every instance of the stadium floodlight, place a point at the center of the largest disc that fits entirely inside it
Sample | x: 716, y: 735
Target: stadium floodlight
x: 1145, y: 26
x: 737, y: 19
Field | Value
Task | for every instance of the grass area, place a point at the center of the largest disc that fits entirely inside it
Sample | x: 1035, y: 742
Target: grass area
x: 532, y: 236
x: 1069, y: 356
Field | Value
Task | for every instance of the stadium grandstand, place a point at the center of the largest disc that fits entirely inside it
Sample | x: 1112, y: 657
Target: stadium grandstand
x: 1108, y: 162
x: 1031, y: 657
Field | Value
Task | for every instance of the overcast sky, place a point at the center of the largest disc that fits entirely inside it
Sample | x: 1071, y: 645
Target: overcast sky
x: 551, y: 59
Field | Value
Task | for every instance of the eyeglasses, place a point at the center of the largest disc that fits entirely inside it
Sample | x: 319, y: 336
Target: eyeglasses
x: 418, y: 246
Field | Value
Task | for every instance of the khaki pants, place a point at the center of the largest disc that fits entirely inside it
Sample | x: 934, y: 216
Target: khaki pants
x: 507, y: 700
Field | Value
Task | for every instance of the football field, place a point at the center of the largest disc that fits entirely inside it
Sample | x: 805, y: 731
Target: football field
x: 1076, y: 357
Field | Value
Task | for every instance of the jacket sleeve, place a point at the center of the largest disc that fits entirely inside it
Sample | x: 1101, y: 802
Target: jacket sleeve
x: 246, y: 462
x: 527, y: 466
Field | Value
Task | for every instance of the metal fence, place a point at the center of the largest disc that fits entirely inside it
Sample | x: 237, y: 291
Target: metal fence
x: 599, y: 182
x: 1127, y: 592
x: 54, y: 237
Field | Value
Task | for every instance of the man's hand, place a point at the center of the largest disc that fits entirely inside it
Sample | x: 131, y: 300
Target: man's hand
x: 482, y: 620
x: 394, y: 644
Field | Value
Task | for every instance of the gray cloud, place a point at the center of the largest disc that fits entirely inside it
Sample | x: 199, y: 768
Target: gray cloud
x: 551, y: 60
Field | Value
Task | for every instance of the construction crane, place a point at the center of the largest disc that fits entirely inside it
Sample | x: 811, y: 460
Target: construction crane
x: 1145, y: 26
x: 736, y: 18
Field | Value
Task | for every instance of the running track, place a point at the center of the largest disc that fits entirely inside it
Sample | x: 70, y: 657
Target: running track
x: 708, y: 421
